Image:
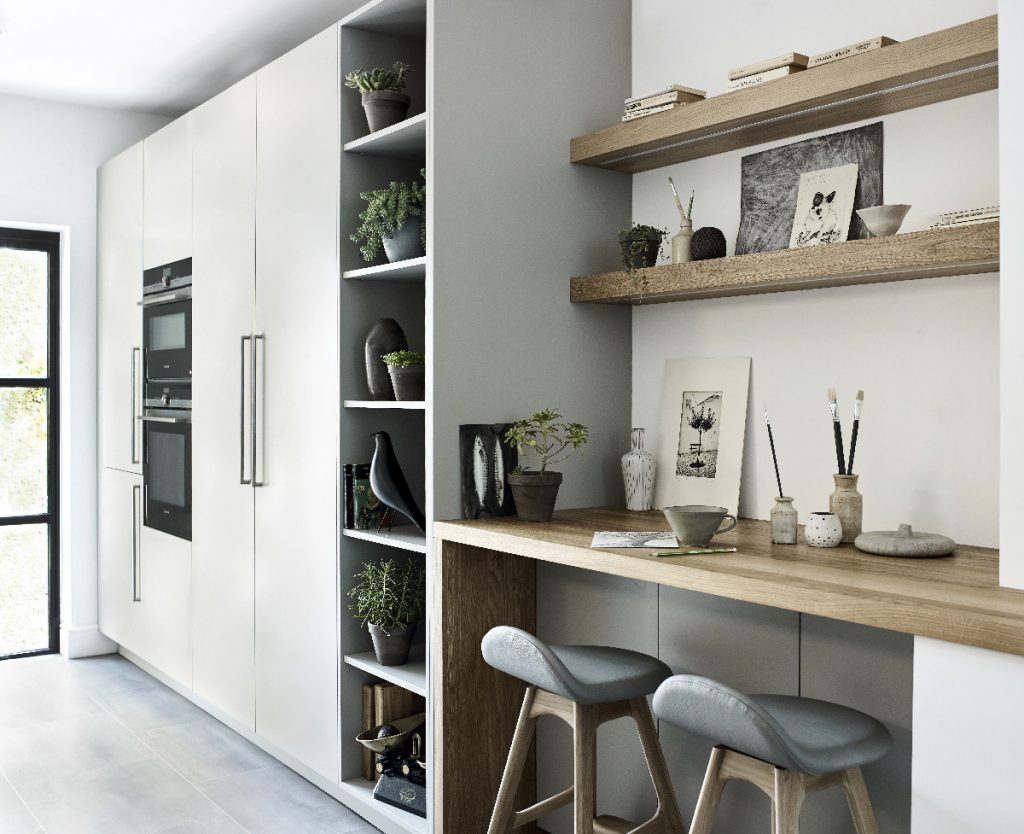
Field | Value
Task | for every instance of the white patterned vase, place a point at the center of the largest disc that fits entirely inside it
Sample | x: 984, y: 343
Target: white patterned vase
x: 638, y: 474
x: 823, y: 530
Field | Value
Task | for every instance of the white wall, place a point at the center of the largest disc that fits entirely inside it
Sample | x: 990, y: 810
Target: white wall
x: 48, y: 158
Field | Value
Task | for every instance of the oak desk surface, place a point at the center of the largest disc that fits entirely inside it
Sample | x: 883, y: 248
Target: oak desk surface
x: 954, y: 598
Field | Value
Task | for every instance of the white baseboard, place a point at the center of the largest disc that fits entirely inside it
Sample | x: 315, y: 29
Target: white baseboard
x: 84, y: 641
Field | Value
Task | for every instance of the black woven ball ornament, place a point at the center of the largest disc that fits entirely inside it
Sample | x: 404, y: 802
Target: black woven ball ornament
x: 706, y: 243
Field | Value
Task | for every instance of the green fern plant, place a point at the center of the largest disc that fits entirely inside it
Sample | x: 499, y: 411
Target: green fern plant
x: 378, y: 78
x: 386, y: 211
x: 389, y: 595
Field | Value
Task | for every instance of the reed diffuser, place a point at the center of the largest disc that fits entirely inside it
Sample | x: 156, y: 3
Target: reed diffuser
x: 681, y: 240
x: 784, y: 515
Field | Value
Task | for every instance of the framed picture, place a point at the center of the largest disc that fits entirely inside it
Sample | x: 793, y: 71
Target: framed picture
x: 824, y: 206
x: 703, y: 421
x: 485, y: 460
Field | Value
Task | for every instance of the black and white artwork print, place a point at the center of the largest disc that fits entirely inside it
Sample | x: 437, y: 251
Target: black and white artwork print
x: 700, y: 419
x: 485, y: 461
x: 824, y: 207
x: 771, y: 184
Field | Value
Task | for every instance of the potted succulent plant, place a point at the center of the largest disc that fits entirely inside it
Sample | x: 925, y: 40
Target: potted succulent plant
x: 552, y: 441
x: 391, y: 600
x: 394, y: 218
x: 407, y: 378
x: 383, y: 100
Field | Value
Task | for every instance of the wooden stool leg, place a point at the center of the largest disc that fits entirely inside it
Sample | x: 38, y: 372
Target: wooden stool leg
x: 710, y: 794
x: 585, y: 767
x: 668, y: 807
x: 859, y: 801
x: 504, y: 806
x: 786, y: 803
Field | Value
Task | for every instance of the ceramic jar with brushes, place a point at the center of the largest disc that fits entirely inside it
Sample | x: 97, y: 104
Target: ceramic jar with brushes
x: 846, y: 502
x: 783, y: 515
x: 681, y: 252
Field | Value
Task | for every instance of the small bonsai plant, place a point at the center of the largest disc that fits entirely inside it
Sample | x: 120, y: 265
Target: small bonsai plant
x: 391, y: 599
x: 408, y: 379
x: 378, y: 78
x: 386, y: 213
x: 403, y: 359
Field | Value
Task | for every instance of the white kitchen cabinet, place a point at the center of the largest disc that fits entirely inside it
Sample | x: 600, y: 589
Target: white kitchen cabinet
x: 118, y: 321
x: 224, y: 166
x: 120, y: 523
x: 167, y: 195
x: 297, y: 505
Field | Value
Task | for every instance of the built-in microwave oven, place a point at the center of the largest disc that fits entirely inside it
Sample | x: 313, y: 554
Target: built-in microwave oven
x: 167, y: 321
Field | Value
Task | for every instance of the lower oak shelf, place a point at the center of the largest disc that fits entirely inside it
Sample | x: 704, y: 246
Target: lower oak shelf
x: 362, y: 791
x: 411, y: 676
x: 964, y: 250
x: 404, y: 538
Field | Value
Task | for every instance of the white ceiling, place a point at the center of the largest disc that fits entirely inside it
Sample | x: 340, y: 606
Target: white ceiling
x: 160, y: 56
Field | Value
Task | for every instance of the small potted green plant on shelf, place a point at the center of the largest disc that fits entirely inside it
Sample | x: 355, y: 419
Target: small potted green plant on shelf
x: 391, y: 600
x: 383, y: 100
x: 407, y: 374
x: 640, y: 245
x: 394, y: 218
x: 553, y: 441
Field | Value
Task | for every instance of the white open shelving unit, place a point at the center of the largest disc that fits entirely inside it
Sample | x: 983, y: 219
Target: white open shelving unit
x: 403, y: 538
x: 411, y: 676
x: 406, y: 405
x: 414, y: 269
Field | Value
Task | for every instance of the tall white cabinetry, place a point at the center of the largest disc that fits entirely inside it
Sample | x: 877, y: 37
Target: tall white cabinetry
x: 167, y: 194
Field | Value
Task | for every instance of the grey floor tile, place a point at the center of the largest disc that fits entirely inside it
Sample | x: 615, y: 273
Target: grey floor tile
x: 15, y: 817
x: 107, y: 674
x: 34, y: 700
x: 128, y: 799
x: 217, y: 825
x: 148, y: 708
x: 205, y: 749
x: 276, y: 800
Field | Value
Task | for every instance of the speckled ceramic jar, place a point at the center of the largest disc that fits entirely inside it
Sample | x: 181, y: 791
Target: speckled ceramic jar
x: 823, y: 530
x: 848, y: 504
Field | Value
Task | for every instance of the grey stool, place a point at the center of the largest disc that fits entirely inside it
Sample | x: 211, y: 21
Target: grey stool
x: 585, y: 686
x: 789, y: 747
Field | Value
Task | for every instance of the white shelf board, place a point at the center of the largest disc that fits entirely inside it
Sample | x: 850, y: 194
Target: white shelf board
x: 404, y: 538
x: 362, y: 791
x: 405, y: 140
x: 411, y: 676
x: 399, y: 18
x: 410, y: 405
x: 413, y: 269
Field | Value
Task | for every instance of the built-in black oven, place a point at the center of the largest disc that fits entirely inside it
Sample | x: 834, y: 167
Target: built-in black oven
x: 167, y: 320
x: 167, y: 458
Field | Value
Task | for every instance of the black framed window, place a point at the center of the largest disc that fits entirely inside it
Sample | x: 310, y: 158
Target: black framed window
x: 29, y: 442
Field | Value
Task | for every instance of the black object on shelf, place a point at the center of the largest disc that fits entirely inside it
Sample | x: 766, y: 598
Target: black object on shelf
x: 388, y: 482
x: 707, y: 243
x: 386, y: 336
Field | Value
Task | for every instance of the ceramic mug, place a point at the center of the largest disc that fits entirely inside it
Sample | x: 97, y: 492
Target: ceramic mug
x: 695, y: 524
x: 823, y: 530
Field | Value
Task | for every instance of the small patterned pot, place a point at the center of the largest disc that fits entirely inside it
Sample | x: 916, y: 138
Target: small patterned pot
x: 823, y: 530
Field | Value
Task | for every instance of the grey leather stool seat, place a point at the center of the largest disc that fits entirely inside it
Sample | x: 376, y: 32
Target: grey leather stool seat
x: 787, y: 746
x: 585, y: 686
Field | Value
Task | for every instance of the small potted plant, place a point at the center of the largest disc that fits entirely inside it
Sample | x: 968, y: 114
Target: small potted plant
x: 640, y: 245
x: 393, y: 218
x: 390, y: 599
x: 383, y: 100
x: 406, y: 368
x: 552, y: 441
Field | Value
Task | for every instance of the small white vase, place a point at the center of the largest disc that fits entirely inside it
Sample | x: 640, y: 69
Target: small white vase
x: 638, y: 468
x: 823, y: 530
x: 784, y: 521
x: 681, y: 241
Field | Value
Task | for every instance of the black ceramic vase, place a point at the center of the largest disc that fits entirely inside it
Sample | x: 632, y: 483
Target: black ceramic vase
x: 385, y: 337
x: 389, y: 484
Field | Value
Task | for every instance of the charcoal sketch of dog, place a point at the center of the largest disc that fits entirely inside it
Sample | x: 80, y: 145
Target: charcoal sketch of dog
x: 822, y: 223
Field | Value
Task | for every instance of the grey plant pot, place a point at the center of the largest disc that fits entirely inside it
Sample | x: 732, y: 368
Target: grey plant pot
x: 409, y: 383
x: 406, y: 242
x: 646, y: 252
x: 384, y: 108
x: 535, y: 494
x: 392, y: 647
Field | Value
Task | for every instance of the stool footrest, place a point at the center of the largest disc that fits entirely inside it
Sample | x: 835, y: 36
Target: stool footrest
x: 544, y: 807
x: 612, y: 825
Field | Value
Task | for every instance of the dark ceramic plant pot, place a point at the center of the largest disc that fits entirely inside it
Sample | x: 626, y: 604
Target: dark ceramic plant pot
x: 386, y: 336
x: 392, y: 647
x: 639, y: 251
x: 409, y: 382
x: 535, y: 494
x: 406, y: 242
x: 384, y: 108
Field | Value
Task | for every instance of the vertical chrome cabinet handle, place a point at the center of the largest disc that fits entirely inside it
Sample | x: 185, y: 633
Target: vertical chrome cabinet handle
x: 259, y: 383
x: 135, y: 398
x: 136, y: 544
x: 241, y: 398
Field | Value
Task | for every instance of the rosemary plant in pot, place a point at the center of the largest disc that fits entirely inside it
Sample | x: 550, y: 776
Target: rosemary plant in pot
x: 390, y: 599
x: 407, y: 374
x: 384, y: 103
x: 394, y: 218
x: 553, y: 441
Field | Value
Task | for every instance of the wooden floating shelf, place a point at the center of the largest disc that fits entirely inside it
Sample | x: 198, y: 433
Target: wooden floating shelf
x: 406, y: 405
x: 937, y: 67
x: 403, y: 538
x: 966, y: 250
x: 411, y: 676
x: 413, y: 269
x: 406, y: 140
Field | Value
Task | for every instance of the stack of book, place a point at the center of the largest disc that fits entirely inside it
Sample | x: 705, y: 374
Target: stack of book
x: 858, y: 48
x: 675, y: 95
x: 762, y: 71
x: 967, y: 217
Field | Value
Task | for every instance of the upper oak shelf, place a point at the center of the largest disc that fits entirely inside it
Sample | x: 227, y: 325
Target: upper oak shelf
x: 943, y: 65
x: 965, y: 250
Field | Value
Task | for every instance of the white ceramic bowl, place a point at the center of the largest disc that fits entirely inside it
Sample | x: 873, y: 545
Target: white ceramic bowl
x: 883, y: 220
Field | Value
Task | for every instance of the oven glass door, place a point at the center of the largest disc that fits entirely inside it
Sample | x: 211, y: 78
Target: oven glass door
x: 167, y: 472
x: 168, y: 340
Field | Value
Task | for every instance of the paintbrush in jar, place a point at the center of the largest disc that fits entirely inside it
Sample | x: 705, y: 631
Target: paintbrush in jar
x: 837, y: 430
x: 771, y: 442
x: 858, y: 405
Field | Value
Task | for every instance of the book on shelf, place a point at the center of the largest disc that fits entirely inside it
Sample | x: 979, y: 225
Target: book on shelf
x: 969, y: 214
x: 664, y: 98
x: 684, y: 93
x: 849, y: 51
x: 789, y: 59
x: 761, y: 78
x: 649, y: 111
x: 363, y: 510
x: 973, y: 221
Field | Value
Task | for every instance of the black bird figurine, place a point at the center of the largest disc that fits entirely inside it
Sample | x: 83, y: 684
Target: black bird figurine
x: 389, y: 484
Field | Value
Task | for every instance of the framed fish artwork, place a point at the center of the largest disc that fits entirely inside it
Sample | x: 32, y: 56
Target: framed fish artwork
x: 485, y: 461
